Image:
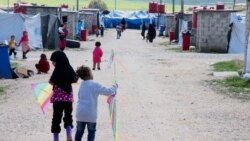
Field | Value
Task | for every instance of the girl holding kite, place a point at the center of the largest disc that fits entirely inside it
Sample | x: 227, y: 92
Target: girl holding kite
x: 62, y: 78
x: 86, y: 111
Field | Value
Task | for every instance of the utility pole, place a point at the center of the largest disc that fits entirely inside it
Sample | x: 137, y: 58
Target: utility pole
x: 182, y: 6
x: 8, y: 6
x: 115, y: 4
x: 77, y: 5
x: 173, y: 6
x: 234, y: 4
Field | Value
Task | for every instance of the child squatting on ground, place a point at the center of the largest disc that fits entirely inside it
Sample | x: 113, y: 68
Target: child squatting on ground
x: 61, y: 79
x: 43, y: 65
x: 97, y: 54
x: 12, y: 45
x: 86, y: 111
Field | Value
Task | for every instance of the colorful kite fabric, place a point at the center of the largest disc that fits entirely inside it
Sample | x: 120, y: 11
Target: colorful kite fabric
x: 43, y: 93
x: 112, y: 112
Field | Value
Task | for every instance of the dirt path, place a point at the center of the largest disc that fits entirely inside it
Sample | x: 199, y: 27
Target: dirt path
x: 162, y: 96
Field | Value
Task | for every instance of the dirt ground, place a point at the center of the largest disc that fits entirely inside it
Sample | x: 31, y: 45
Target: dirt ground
x: 162, y: 95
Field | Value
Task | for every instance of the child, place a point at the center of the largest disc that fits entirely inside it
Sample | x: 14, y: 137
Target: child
x: 43, y: 65
x: 12, y: 45
x: 24, y: 42
x: 97, y: 54
x: 102, y: 30
x: 118, y: 31
x: 63, y: 33
x: 86, y: 111
x: 62, y: 78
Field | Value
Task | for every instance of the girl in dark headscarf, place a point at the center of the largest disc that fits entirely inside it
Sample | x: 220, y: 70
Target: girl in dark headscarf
x: 151, y: 33
x: 62, y: 78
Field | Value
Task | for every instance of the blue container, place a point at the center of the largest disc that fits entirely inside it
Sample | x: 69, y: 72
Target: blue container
x: 162, y: 29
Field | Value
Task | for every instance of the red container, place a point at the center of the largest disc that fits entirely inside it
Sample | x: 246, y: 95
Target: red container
x: 84, y: 34
x: 161, y: 8
x: 171, y: 36
x: 185, y: 42
x: 153, y: 7
x: 94, y: 28
x: 220, y: 6
x: 195, y: 19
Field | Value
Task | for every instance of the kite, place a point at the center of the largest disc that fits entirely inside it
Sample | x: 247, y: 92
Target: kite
x: 43, y: 93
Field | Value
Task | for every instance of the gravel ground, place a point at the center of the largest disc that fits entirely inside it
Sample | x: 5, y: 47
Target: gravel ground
x: 162, y: 95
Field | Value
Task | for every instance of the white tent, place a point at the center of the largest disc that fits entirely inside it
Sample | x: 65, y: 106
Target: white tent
x: 237, y: 40
x: 15, y: 24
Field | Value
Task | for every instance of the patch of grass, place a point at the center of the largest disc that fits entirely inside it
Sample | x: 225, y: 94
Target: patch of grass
x: 233, y: 65
x: 164, y: 43
x: 176, y: 49
x: 236, y: 84
x: 1, y: 90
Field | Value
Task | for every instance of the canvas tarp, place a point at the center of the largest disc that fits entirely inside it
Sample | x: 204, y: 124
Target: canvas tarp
x: 5, y: 68
x: 133, y: 19
x: 237, y: 40
x: 50, y: 37
x: 15, y: 24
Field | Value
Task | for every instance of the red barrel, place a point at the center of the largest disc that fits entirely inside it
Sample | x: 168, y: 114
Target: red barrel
x: 161, y: 8
x: 195, y: 19
x: 94, y: 28
x: 171, y: 36
x: 84, y: 34
x: 185, y: 41
x: 220, y: 6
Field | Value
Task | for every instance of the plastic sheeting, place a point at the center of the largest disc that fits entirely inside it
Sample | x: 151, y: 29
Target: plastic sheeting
x: 133, y: 19
x: 15, y: 24
x: 237, y: 40
x: 5, y: 69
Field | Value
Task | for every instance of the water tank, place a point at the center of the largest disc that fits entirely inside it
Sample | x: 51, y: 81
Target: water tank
x: 161, y: 8
x: 220, y: 6
x: 153, y: 7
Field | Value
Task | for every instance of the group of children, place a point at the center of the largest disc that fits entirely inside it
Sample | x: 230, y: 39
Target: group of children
x: 24, y: 43
x: 62, y: 98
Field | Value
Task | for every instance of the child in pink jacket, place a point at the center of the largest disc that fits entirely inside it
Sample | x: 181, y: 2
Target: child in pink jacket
x: 97, y: 54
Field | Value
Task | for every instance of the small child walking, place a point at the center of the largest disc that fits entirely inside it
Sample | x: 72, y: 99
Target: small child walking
x: 97, y: 54
x: 61, y: 79
x: 43, y: 65
x: 86, y: 111
x: 24, y: 42
x: 102, y: 30
x: 12, y: 44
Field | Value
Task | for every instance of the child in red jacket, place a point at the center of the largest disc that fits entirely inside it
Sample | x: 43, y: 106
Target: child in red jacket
x: 43, y: 65
x: 97, y: 54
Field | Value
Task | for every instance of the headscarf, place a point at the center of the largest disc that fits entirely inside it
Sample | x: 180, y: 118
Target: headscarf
x: 25, y: 36
x: 63, y: 75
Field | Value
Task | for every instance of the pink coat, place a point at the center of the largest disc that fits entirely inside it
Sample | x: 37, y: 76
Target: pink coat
x: 97, y: 54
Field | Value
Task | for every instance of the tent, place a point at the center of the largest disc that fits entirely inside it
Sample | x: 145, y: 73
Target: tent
x: 237, y: 40
x: 15, y: 24
x: 5, y: 68
x: 133, y: 19
x: 49, y: 28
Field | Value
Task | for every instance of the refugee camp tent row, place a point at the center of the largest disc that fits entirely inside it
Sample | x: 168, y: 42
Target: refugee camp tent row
x: 133, y: 19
